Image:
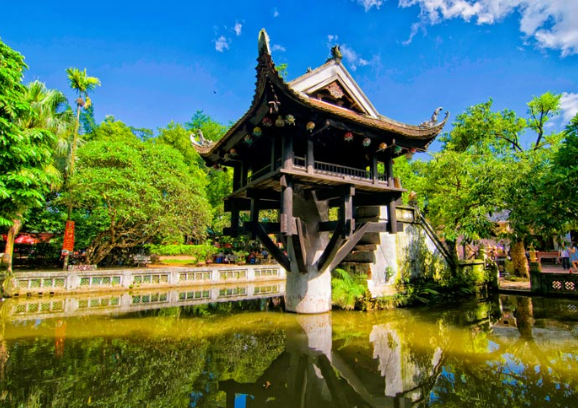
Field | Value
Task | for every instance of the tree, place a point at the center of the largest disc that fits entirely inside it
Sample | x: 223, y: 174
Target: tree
x: 26, y: 172
x: 557, y: 208
x: 80, y: 82
x: 132, y: 193
x: 488, y: 166
x: 212, y: 130
x: 219, y: 180
x: 460, y: 191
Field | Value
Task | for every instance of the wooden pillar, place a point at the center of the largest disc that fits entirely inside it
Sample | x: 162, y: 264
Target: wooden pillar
x: 254, y: 213
x: 234, y: 218
x: 346, y: 210
x: 272, y: 154
x: 374, y: 169
x: 310, y: 160
x: 288, y: 153
x: 286, y: 213
x: 389, y: 168
x: 237, y: 169
x: 392, y: 216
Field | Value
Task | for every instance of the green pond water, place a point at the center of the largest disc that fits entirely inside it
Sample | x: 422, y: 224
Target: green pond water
x: 83, y: 352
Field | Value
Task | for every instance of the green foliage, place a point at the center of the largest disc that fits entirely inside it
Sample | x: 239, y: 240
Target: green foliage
x: 282, y: 70
x: 347, y: 289
x: 557, y: 206
x: 212, y: 130
x: 420, y: 264
x: 134, y: 192
x: 198, y: 251
x: 486, y: 167
x: 26, y: 150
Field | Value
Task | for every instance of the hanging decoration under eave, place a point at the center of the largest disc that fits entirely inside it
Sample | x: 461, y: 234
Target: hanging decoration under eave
x: 366, y: 142
x: 267, y: 122
x: 257, y: 131
x: 247, y: 139
x: 290, y: 120
x: 348, y: 137
x: 310, y: 126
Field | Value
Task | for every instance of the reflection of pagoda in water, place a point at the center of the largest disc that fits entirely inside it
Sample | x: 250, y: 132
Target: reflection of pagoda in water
x: 310, y: 373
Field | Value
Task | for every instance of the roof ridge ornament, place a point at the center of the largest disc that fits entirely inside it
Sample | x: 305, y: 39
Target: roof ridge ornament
x: 434, y: 118
x: 264, y: 43
x: 336, y: 54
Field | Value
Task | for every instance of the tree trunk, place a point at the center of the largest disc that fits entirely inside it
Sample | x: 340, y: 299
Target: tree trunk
x: 9, y: 251
x: 519, y: 260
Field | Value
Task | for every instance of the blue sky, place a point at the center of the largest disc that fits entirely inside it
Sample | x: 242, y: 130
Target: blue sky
x: 163, y: 61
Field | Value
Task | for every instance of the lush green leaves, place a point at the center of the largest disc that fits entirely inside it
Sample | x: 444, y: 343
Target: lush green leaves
x: 26, y: 147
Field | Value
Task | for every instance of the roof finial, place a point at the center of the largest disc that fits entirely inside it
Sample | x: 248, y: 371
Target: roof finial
x: 264, y: 43
x: 336, y: 53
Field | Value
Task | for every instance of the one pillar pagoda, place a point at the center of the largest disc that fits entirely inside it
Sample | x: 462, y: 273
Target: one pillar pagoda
x: 306, y: 147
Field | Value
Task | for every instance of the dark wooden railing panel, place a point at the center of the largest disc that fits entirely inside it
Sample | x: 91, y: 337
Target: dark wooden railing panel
x: 323, y: 167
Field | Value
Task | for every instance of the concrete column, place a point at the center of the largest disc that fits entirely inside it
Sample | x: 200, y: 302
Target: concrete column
x: 308, y: 291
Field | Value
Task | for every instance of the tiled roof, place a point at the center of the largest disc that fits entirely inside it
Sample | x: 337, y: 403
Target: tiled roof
x: 268, y: 76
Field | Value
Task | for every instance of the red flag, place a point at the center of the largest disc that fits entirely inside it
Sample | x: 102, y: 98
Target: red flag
x: 68, y: 244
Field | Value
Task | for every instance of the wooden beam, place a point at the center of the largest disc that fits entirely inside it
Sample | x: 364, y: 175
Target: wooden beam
x: 268, y: 195
x: 325, y: 226
x: 273, y: 249
x: 346, y: 248
x: 323, y: 194
x: 300, y: 245
x: 331, y: 249
x: 268, y: 227
x: 244, y: 204
x: 375, y: 199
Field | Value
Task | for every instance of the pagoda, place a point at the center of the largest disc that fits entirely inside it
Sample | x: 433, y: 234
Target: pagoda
x: 306, y: 147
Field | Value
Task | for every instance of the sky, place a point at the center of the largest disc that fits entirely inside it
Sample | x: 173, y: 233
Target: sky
x: 162, y: 61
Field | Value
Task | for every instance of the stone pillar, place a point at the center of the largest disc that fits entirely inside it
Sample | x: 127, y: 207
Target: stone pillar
x: 308, y: 291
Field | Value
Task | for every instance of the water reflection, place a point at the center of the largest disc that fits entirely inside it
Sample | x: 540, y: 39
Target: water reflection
x: 508, y: 351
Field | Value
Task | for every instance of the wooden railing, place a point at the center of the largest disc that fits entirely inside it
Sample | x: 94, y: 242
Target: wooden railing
x: 299, y: 161
x: 323, y: 167
x: 261, y: 172
x: 331, y: 169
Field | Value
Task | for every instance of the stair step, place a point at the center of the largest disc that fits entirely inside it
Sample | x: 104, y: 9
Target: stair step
x: 365, y: 248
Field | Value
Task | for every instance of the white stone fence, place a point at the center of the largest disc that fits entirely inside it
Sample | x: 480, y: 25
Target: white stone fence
x: 55, y: 282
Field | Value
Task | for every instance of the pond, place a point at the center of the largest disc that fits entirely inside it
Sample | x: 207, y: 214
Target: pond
x: 504, y: 351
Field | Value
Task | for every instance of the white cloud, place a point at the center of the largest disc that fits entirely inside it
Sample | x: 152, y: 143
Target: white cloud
x: 569, y: 105
x: 277, y: 47
x: 275, y: 13
x: 368, y: 4
x: 237, y: 28
x: 552, y: 24
x: 331, y: 38
x: 354, y: 60
x: 222, y: 44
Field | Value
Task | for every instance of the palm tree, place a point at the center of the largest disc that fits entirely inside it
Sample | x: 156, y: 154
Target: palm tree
x: 82, y: 84
x: 48, y: 112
